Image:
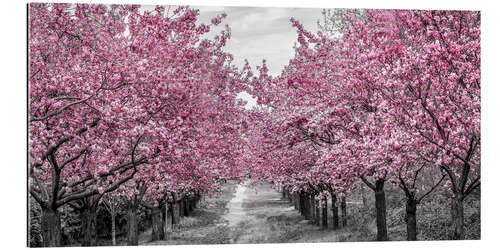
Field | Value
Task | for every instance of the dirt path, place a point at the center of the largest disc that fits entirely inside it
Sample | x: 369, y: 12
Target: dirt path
x: 246, y: 214
x: 236, y: 213
x: 259, y: 215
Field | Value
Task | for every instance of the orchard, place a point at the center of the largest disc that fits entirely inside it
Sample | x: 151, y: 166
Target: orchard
x: 134, y: 115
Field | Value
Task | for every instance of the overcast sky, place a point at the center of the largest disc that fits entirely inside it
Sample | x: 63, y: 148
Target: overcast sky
x: 259, y: 33
x: 262, y: 33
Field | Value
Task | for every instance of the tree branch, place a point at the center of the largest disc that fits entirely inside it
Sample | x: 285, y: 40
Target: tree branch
x: 432, y: 189
x: 73, y: 158
x: 370, y: 185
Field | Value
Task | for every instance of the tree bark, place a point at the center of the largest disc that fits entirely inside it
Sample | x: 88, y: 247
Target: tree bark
x: 169, y: 220
x: 88, y: 230
x: 113, y: 228
x: 363, y: 196
x: 324, y: 215
x: 175, y: 214
x: 343, y: 208
x: 335, y: 211
x: 157, y: 232
x: 132, y: 230
x: 411, y: 219
x: 296, y: 201
x: 191, y: 204
x: 317, y: 211
x: 308, y: 209
x: 381, y: 210
x: 186, y: 206
x: 302, y: 207
x: 181, y: 207
x: 457, y: 216
x: 51, y: 227
x: 313, y: 209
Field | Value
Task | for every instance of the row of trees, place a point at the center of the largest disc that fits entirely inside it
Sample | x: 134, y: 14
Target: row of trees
x: 140, y: 106
x: 126, y: 103
x: 380, y: 96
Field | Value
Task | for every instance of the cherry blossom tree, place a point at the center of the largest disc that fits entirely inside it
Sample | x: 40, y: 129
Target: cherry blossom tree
x: 391, y: 93
x: 425, y: 65
x: 114, y: 95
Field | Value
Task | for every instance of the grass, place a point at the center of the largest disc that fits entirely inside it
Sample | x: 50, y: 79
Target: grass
x: 267, y: 218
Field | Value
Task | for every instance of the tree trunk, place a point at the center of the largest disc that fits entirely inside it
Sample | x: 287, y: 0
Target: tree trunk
x: 324, y: 215
x: 296, y: 201
x: 168, y: 217
x: 343, y: 208
x: 307, y: 203
x: 180, y: 209
x: 191, y: 205
x: 88, y: 230
x: 457, y: 216
x: 186, y: 207
x: 317, y: 211
x: 51, y: 227
x: 363, y: 196
x: 313, y: 209
x: 165, y: 220
x: 175, y: 214
x: 113, y: 228
x: 381, y: 210
x: 132, y: 230
x: 301, y: 204
x: 157, y: 224
x: 411, y: 219
x: 335, y: 212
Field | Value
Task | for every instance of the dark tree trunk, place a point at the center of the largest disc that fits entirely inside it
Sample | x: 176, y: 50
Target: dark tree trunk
x: 335, y: 211
x: 157, y: 224
x: 324, y: 215
x: 296, y: 201
x: 381, y: 210
x: 411, y: 219
x: 88, y: 230
x: 457, y: 216
x: 313, y: 209
x: 186, y: 207
x: 343, y: 208
x: 175, y: 214
x: 308, y: 210
x: 168, y: 217
x: 181, y: 207
x: 190, y: 205
x: 51, y: 227
x: 302, y: 206
x: 317, y: 211
x: 132, y: 230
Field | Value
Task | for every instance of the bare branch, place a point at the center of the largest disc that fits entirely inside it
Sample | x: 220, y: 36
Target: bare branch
x: 370, y: 185
x: 432, y: 189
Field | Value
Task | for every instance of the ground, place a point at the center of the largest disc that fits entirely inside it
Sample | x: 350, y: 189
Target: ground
x: 259, y: 214
x: 244, y: 214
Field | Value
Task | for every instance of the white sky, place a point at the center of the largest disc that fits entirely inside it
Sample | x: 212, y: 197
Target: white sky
x: 259, y: 33
x: 262, y: 32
